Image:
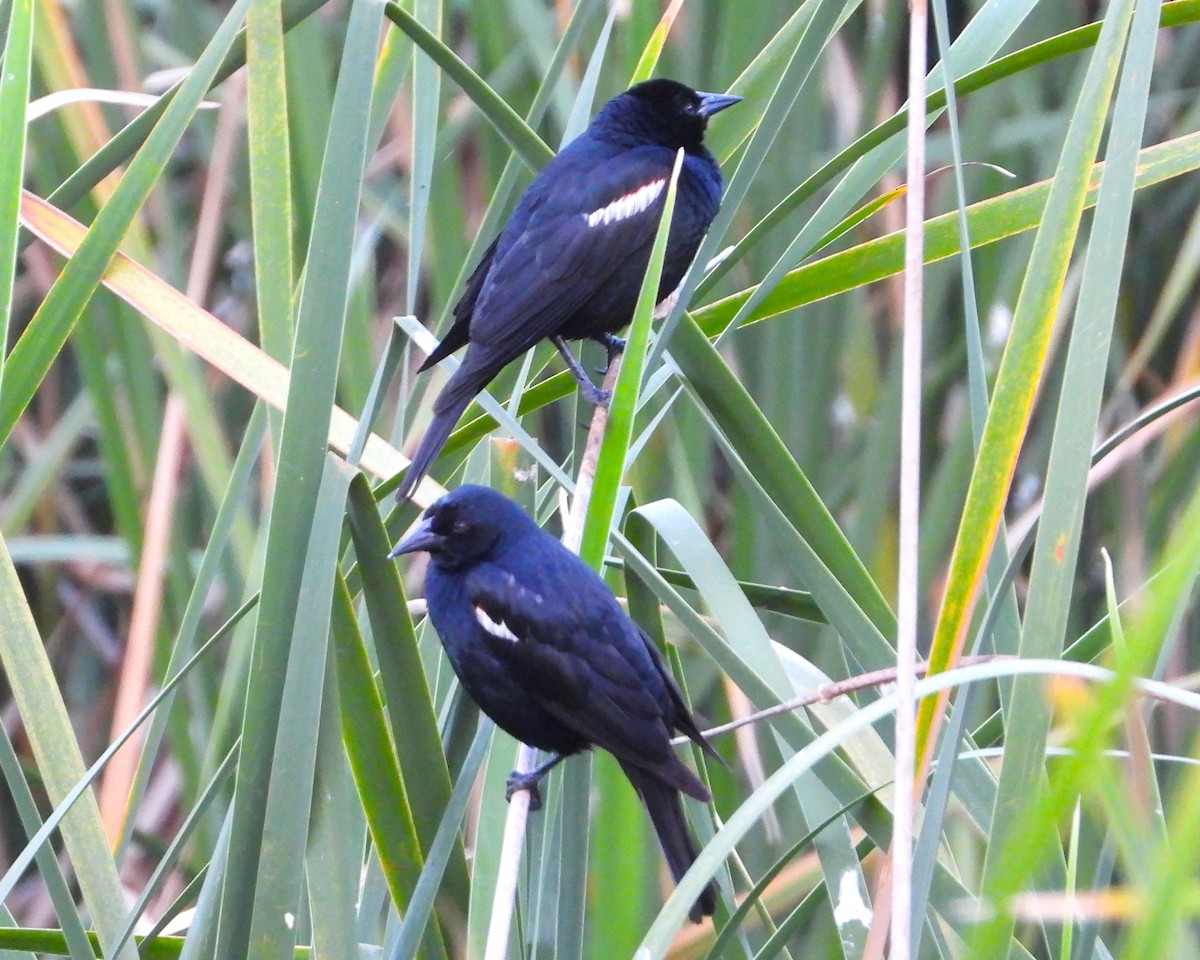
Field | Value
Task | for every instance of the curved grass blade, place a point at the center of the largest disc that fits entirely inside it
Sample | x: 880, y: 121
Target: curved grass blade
x: 837, y: 776
x: 658, y: 939
x: 508, y: 123
x: 782, y: 670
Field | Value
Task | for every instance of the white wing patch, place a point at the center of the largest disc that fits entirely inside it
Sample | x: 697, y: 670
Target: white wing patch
x: 497, y: 628
x: 627, y: 206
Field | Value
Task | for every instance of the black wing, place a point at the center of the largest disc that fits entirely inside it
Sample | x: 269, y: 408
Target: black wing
x: 683, y: 720
x: 559, y: 251
x: 460, y: 332
x: 574, y: 659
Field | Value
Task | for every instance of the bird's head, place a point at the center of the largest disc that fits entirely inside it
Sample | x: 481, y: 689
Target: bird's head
x: 661, y: 111
x: 464, y: 526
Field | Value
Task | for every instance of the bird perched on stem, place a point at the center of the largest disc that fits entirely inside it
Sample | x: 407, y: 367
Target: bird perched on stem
x: 569, y: 263
x: 541, y: 644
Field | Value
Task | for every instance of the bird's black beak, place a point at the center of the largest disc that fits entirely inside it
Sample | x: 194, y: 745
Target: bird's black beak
x: 423, y: 538
x: 711, y: 103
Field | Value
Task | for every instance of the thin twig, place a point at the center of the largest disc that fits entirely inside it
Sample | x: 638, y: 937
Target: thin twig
x: 505, y: 895
x: 831, y: 691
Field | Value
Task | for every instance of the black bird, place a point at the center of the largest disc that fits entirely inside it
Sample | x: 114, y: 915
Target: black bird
x: 541, y: 644
x: 569, y: 263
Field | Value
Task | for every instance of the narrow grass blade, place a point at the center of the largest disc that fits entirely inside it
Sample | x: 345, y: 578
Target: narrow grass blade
x: 333, y: 863
x: 14, y: 100
x: 403, y: 682
x: 74, y: 932
x: 610, y: 467
x: 654, y: 46
x: 442, y: 851
x: 270, y: 177
x: 377, y: 774
x: 426, y: 90
x: 287, y: 818
x: 1020, y: 373
x: 787, y: 75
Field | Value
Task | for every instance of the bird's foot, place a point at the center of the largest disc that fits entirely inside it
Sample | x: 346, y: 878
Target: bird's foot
x: 528, y: 780
x: 517, y: 782
x: 613, y: 345
x: 593, y: 394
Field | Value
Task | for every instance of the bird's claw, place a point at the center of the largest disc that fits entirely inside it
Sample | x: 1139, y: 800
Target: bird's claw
x: 517, y: 782
x: 614, y: 346
x: 594, y: 395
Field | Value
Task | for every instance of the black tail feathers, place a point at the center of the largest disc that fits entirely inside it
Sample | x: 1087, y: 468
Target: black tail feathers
x: 665, y: 807
x: 459, y: 391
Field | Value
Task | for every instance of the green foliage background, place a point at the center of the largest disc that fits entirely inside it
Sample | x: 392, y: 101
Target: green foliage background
x: 194, y: 519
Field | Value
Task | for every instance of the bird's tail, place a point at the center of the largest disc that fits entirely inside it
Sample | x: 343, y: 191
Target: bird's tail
x: 458, y: 392
x: 665, y: 807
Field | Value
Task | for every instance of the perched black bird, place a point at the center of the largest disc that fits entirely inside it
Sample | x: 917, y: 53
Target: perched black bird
x: 569, y: 263
x: 541, y: 644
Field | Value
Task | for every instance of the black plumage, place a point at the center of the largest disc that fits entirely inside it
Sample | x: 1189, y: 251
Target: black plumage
x: 541, y: 644
x: 569, y: 263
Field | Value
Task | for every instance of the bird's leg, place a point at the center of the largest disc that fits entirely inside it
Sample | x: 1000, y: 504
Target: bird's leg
x: 529, y: 781
x: 591, y: 393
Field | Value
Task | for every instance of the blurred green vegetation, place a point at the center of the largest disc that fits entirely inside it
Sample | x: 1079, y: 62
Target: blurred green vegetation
x: 200, y: 290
